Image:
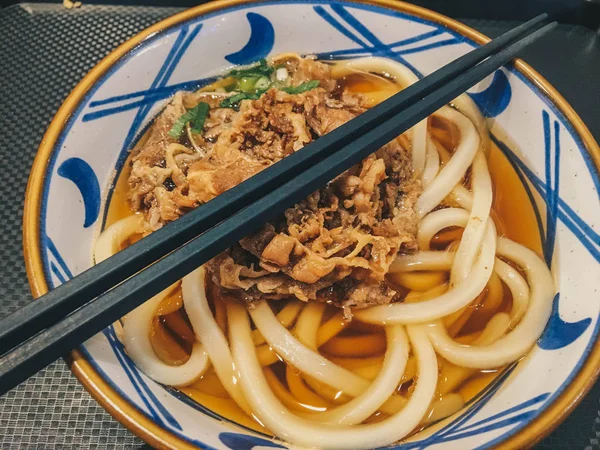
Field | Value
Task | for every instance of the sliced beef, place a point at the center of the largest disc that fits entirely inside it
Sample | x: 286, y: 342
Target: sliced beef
x: 336, y: 245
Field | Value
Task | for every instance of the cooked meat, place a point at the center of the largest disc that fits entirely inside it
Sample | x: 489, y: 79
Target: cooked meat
x: 335, y: 246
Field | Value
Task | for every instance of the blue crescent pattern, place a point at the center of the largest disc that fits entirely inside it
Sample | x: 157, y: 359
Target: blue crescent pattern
x: 493, y: 101
x: 84, y: 177
x: 558, y: 333
x: 260, y: 44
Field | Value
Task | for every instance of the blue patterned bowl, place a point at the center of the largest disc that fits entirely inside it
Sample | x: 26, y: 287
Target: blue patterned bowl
x: 550, y: 148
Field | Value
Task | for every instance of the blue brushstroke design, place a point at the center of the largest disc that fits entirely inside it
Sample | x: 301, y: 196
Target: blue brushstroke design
x: 368, y: 50
x: 361, y: 28
x: 157, y: 82
x: 461, y: 428
x: 147, y: 396
x: 83, y: 176
x: 260, y: 44
x: 143, y: 390
x: 526, y: 185
x: 197, y: 406
x: 558, y: 333
x: 458, y: 423
x: 149, y: 96
x: 422, y: 48
x: 123, y: 362
x: 495, y: 99
x: 118, y: 389
x: 58, y: 267
x: 377, y: 47
x: 341, y: 28
x: 551, y: 197
x: 58, y: 257
x: 395, y: 48
x: 517, y: 408
x: 524, y: 417
x: 160, y: 93
x: 582, y: 231
x: 236, y: 441
x: 57, y: 273
x: 179, y: 49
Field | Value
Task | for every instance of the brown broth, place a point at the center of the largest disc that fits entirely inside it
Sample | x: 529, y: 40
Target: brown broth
x: 172, y: 337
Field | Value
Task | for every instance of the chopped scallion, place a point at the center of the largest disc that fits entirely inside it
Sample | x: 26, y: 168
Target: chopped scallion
x: 196, y: 116
x: 201, y: 114
x: 307, y: 86
x: 262, y: 83
x: 234, y: 100
x: 246, y: 84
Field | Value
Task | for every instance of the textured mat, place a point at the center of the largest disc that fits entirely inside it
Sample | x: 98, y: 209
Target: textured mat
x: 44, y: 51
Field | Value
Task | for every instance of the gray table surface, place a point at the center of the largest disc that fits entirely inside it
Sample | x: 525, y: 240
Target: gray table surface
x: 44, y: 51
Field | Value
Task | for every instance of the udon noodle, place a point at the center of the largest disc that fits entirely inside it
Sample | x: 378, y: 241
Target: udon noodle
x: 354, y: 348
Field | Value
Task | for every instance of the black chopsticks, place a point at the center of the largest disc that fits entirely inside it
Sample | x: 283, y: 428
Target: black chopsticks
x: 51, y: 307
x: 59, y: 322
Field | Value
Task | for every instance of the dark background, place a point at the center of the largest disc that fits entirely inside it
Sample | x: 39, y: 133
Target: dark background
x: 45, y: 50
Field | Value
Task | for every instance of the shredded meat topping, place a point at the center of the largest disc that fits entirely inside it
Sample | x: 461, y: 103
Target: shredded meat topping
x: 335, y: 246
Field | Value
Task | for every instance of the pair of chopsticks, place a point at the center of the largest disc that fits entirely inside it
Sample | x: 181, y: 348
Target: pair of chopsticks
x: 48, y: 328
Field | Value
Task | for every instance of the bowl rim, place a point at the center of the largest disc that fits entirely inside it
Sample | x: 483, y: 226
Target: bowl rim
x: 129, y: 415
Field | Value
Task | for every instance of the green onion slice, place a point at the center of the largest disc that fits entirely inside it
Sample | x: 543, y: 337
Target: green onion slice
x: 307, y: 86
x: 234, y: 100
x: 196, y: 116
x: 262, y: 83
x: 201, y: 114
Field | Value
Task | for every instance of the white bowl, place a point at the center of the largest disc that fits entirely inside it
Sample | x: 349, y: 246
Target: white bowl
x: 552, y: 151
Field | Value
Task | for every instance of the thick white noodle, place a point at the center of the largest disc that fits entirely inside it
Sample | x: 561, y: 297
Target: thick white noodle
x: 303, y: 358
x: 436, y: 221
x: 495, y: 328
x: 137, y: 325
x: 136, y: 339
x: 308, y: 323
x: 110, y: 240
x: 426, y: 260
x: 300, y: 431
x: 209, y: 333
x: 467, y: 106
x: 519, y: 289
x: 516, y: 343
x: 419, y: 146
x: 404, y: 77
x: 383, y: 386
x: 445, y: 407
x: 462, y: 196
x: 452, y: 173
x: 452, y: 300
x: 472, y: 237
x: 432, y: 165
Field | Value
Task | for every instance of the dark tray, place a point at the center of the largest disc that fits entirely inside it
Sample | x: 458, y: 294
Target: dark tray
x: 46, y: 49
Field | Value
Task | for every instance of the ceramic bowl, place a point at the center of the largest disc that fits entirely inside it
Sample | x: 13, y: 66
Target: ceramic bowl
x: 550, y: 148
